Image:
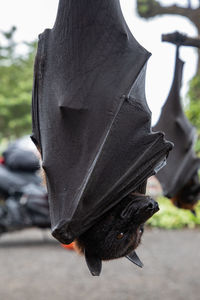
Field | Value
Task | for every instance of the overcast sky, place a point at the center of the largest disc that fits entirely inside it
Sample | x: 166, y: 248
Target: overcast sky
x: 32, y: 16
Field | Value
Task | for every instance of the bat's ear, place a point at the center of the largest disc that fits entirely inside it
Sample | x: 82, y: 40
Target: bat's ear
x: 193, y: 212
x: 134, y: 259
x: 94, y: 263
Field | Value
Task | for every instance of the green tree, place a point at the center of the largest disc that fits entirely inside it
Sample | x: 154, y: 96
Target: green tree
x: 16, y: 76
x: 193, y: 109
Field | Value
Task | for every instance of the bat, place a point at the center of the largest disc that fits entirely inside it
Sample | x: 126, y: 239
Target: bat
x: 179, y: 179
x: 91, y: 120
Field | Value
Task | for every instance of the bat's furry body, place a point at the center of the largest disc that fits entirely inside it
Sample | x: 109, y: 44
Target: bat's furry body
x: 119, y: 231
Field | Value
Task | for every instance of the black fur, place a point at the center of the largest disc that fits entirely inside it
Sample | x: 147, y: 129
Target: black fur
x: 118, y: 232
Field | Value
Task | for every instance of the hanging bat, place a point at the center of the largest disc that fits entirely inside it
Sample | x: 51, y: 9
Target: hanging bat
x: 91, y: 120
x: 179, y: 179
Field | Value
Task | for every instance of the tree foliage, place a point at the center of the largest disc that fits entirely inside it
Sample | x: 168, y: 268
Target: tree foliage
x: 16, y: 73
x: 193, y: 109
x: 147, y: 8
x: 171, y: 217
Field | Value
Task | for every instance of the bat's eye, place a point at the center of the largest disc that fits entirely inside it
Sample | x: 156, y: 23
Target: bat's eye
x: 141, y: 230
x: 120, y: 235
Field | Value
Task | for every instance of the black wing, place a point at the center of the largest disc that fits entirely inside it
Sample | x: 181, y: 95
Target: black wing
x: 90, y: 116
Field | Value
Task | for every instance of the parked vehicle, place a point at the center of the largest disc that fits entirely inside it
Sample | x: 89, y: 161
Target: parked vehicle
x: 23, y: 199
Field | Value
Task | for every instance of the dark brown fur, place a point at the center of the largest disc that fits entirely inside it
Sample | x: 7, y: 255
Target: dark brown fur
x: 119, y: 231
x: 188, y: 196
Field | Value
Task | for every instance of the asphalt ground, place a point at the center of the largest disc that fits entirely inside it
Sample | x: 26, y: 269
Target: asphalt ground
x: 33, y: 266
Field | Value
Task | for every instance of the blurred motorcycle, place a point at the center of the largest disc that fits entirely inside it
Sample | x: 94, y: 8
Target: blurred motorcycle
x: 24, y: 200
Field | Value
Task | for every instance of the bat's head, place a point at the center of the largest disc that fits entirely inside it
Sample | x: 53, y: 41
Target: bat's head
x: 118, y: 233
x: 187, y: 197
x: 184, y: 202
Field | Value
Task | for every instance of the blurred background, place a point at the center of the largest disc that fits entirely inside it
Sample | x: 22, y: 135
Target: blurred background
x: 32, y: 264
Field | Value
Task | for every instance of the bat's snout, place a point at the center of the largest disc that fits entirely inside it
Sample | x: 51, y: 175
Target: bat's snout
x: 152, y: 205
x: 140, y: 207
x: 147, y: 210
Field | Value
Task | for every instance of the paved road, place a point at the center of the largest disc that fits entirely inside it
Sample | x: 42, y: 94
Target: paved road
x: 34, y: 267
